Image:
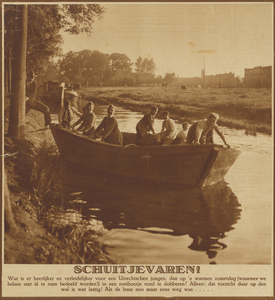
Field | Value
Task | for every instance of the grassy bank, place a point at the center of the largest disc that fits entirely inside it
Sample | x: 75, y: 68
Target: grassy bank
x: 238, y: 108
x: 33, y: 167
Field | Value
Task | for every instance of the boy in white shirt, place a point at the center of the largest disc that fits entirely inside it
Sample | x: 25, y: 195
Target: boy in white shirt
x: 182, y: 135
x: 66, y: 114
x: 168, y: 131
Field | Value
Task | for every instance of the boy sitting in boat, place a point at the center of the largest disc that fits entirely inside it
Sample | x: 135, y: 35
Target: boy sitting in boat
x: 201, y: 132
x: 145, y: 125
x: 108, y: 131
x: 66, y: 114
x: 182, y: 135
x: 168, y: 131
x: 87, y: 120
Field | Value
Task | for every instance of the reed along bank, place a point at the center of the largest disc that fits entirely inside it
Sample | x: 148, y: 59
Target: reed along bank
x: 32, y: 191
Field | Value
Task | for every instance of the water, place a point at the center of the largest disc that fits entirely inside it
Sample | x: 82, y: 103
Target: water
x: 227, y: 223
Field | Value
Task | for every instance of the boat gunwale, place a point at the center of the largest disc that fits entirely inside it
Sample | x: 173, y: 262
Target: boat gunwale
x: 134, y: 147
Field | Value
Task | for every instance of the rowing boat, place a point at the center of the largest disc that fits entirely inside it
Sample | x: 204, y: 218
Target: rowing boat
x: 195, y: 165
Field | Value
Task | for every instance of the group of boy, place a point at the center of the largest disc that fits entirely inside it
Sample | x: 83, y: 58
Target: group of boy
x: 87, y: 119
x: 107, y: 130
x: 200, y: 132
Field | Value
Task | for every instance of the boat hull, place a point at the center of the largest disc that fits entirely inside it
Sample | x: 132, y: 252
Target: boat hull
x: 182, y: 164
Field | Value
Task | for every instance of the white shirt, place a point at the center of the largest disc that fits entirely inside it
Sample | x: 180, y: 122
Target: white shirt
x: 170, y: 126
x: 72, y: 111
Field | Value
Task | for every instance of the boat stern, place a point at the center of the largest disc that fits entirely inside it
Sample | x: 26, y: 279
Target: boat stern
x: 223, y: 162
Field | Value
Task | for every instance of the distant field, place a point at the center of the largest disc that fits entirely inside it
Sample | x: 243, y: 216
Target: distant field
x: 237, y: 107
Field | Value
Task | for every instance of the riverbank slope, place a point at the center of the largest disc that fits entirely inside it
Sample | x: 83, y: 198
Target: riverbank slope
x: 32, y: 191
x: 239, y: 108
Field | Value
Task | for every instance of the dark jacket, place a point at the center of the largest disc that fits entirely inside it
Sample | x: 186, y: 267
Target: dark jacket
x: 109, y: 131
x: 31, y: 91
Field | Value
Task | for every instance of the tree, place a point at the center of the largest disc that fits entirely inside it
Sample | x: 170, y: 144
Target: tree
x: 151, y: 66
x: 158, y: 79
x: 17, y: 100
x: 97, y: 63
x: 145, y: 65
x: 122, y: 78
x: 45, y: 24
x: 78, y: 18
x: 107, y: 74
x: 170, y: 77
x: 68, y: 66
x: 138, y: 64
x: 120, y: 62
x: 144, y: 78
x: 87, y: 65
x: 51, y: 73
x: 9, y: 218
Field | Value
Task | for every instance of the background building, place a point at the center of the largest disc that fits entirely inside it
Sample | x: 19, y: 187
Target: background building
x: 258, y: 77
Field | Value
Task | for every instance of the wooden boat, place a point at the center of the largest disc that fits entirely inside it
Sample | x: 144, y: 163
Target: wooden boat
x: 194, y: 165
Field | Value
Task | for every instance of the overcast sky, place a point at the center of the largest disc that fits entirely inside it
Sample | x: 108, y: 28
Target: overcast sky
x: 180, y: 36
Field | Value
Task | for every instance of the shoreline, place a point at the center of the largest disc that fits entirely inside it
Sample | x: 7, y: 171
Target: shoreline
x: 32, y: 190
x: 240, y: 116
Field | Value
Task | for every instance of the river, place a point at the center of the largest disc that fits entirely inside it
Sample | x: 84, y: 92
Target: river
x: 226, y: 223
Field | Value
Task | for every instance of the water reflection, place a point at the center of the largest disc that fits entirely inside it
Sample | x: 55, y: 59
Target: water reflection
x: 206, y: 216
x: 222, y: 212
x: 114, y: 202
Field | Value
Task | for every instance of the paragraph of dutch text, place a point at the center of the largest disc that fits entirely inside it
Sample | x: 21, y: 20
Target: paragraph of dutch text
x: 136, y: 284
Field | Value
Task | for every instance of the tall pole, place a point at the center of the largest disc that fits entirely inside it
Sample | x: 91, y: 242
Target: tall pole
x: 204, y: 74
x: 18, y: 88
x: 9, y: 72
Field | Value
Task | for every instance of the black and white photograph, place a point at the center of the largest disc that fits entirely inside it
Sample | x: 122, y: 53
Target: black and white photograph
x: 137, y: 154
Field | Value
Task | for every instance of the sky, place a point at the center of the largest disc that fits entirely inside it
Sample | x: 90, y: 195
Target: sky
x: 183, y: 37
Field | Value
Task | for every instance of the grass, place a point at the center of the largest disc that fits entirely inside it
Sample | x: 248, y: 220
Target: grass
x: 33, y: 172
x: 73, y: 244
x: 33, y: 179
x: 238, y: 107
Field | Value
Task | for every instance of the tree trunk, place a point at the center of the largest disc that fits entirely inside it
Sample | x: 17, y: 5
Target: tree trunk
x: 9, y: 220
x: 18, y: 88
x: 9, y: 71
x: 6, y: 79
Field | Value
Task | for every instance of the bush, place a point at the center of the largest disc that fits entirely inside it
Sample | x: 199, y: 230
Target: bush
x: 34, y: 173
